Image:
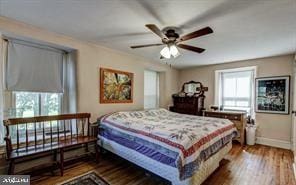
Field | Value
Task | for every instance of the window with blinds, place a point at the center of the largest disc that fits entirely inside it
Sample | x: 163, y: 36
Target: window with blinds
x: 151, y: 89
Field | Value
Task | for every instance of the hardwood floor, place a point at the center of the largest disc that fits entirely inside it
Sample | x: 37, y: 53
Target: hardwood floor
x: 251, y: 165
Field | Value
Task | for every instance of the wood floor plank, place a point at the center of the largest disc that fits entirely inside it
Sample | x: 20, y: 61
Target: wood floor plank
x: 255, y: 165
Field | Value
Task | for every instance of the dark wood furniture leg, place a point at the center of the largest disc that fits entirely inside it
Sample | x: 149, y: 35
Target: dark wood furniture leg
x: 62, y: 161
x: 55, y: 153
x: 86, y: 147
x: 96, y: 151
x: 11, y: 167
x: 55, y: 158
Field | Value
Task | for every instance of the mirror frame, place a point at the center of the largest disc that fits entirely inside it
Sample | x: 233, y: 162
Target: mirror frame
x: 199, y: 91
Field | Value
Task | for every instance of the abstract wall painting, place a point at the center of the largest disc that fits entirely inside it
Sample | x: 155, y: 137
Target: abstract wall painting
x: 116, y: 86
x: 272, y: 94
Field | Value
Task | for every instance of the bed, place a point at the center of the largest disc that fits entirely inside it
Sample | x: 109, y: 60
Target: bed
x: 183, y: 149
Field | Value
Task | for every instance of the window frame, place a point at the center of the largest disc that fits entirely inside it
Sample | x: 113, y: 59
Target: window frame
x: 219, y: 87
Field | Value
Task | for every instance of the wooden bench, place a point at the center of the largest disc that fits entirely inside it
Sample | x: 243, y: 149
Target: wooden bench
x: 44, y: 134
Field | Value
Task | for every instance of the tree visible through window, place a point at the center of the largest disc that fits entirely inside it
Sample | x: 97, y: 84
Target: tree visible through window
x: 29, y: 104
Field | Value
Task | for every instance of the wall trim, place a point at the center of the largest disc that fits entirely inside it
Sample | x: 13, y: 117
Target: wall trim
x: 273, y: 142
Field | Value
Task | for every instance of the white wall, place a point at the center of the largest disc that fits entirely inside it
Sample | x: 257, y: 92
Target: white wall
x: 271, y: 126
x: 90, y: 58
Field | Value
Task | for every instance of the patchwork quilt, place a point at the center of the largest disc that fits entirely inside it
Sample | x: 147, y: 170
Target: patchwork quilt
x: 178, y: 140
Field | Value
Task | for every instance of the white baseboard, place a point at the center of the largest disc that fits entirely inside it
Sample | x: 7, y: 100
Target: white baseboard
x: 273, y: 142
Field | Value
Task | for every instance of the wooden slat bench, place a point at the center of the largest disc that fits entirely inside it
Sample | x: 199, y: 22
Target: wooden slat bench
x: 35, y: 135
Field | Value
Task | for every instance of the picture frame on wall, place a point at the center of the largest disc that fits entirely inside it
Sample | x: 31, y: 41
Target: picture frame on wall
x: 272, y: 95
x: 116, y: 86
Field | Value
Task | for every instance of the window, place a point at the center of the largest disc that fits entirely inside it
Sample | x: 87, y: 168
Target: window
x: 29, y: 104
x: 235, y: 89
x: 31, y: 67
x: 151, y: 89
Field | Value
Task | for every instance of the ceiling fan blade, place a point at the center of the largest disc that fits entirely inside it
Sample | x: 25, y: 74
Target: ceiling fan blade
x: 191, y: 48
x: 199, y: 33
x: 157, y: 31
x: 146, y: 45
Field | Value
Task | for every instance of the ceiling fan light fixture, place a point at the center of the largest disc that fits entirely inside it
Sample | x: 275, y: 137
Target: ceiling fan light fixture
x: 171, y: 38
x: 174, y: 51
x: 165, y: 52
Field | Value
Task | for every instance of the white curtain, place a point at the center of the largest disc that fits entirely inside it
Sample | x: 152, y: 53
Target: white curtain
x: 69, y: 97
x: 3, y: 51
x: 69, y: 104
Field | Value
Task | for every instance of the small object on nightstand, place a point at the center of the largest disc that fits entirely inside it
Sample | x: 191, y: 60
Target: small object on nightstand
x: 250, y: 120
x: 214, y: 108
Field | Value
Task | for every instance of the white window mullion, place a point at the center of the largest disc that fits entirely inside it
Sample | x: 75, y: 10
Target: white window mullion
x: 40, y: 102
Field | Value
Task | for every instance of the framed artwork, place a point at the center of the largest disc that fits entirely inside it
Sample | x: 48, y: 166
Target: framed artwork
x: 272, y: 94
x: 116, y: 86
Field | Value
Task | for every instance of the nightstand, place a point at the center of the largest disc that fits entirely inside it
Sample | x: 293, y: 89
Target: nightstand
x: 238, y: 118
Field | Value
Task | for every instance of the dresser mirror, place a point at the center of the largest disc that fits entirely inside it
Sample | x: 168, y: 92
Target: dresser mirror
x: 193, y: 88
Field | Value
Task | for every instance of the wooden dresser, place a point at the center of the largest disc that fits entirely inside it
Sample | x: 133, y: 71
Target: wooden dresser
x: 188, y: 105
x: 190, y: 100
x: 238, y: 118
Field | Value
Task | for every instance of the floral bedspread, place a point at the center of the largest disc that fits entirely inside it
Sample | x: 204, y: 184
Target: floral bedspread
x: 178, y: 140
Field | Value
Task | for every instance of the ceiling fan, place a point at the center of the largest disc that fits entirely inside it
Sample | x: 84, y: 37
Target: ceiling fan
x: 172, y: 40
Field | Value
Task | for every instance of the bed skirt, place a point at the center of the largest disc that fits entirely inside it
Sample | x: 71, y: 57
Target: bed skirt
x: 165, y: 171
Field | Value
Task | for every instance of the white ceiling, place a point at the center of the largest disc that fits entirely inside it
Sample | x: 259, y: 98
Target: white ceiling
x: 243, y: 29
